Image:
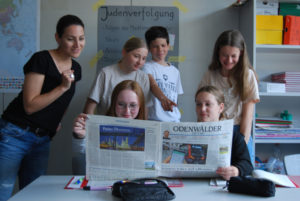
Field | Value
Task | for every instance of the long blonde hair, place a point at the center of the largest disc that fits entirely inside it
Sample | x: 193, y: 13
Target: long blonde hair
x: 240, y: 72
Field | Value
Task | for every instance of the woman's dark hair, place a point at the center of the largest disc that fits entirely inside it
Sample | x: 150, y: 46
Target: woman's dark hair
x: 66, y: 21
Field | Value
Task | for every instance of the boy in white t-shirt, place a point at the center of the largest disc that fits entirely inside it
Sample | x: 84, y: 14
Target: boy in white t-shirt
x: 167, y: 76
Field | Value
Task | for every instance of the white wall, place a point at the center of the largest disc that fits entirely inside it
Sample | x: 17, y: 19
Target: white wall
x: 198, y: 30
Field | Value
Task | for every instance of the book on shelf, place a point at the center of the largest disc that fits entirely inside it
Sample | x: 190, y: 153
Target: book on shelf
x: 278, y: 137
x: 267, y: 125
x: 287, y: 74
x: 282, y: 82
x: 272, y: 122
x: 277, y: 133
x: 272, y: 87
x: 290, y: 88
x: 286, y: 79
x: 291, y: 80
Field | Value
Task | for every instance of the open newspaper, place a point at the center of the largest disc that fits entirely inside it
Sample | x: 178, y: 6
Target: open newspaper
x: 119, y: 148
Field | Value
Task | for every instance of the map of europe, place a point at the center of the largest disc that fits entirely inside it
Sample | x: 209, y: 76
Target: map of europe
x: 18, y: 40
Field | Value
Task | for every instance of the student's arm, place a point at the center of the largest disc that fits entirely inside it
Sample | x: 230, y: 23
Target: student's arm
x: 33, y: 99
x: 246, y: 121
x: 146, y: 113
x: 240, y: 157
x: 90, y: 106
x: 165, y: 102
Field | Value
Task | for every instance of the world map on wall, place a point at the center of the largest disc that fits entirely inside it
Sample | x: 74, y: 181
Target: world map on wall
x: 18, y: 40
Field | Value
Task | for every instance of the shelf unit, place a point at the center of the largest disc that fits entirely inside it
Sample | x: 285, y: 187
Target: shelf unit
x: 274, y: 47
x: 277, y: 141
x: 279, y: 94
x: 268, y: 59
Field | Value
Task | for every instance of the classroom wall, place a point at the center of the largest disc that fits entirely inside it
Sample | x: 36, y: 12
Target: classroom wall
x: 199, y: 27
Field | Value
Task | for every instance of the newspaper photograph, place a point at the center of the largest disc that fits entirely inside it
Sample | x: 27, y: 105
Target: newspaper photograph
x: 195, y: 149
x: 119, y: 148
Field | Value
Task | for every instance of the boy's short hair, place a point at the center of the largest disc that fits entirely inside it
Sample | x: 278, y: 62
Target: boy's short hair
x: 156, y: 32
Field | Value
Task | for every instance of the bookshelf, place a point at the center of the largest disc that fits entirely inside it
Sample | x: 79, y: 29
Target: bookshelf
x: 269, y: 59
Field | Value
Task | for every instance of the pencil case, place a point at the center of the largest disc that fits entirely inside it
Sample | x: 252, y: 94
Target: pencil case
x: 251, y: 186
x: 142, y: 190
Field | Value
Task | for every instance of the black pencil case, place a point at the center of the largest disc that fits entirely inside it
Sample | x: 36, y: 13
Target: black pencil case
x: 251, y: 186
x: 142, y: 190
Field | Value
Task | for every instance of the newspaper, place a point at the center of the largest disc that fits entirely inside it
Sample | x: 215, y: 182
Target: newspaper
x: 119, y: 148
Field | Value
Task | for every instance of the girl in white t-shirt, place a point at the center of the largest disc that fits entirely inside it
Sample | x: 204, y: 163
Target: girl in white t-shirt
x: 230, y: 70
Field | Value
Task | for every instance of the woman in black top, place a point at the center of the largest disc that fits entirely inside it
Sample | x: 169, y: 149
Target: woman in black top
x: 33, y: 117
x: 209, y: 107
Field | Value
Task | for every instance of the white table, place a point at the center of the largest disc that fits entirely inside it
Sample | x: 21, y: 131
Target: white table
x: 51, y: 188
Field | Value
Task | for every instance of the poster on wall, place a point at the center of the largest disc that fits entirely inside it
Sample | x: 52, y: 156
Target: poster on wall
x: 19, y: 39
x: 117, y: 24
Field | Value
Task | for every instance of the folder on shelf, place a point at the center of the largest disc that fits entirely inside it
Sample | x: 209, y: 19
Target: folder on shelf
x: 291, y: 34
x: 287, y: 8
x: 269, y: 29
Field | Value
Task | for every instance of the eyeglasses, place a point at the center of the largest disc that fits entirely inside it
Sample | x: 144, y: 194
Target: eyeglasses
x: 131, y: 106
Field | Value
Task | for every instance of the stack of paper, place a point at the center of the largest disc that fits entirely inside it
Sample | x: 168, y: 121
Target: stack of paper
x: 272, y: 123
x: 272, y: 87
x: 291, y: 80
x: 291, y: 133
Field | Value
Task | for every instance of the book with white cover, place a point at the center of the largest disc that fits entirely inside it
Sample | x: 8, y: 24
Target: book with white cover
x: 279, y: 179
x: 272, y: 87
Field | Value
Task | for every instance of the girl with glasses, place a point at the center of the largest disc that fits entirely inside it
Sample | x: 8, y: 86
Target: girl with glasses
x: 127, y: 101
